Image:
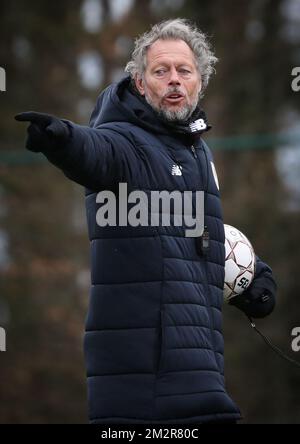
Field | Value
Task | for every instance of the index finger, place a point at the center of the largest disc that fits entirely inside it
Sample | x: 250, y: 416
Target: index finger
x: 34, y: 117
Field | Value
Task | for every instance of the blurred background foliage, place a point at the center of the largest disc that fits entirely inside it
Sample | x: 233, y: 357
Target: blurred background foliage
x: 58, y: 56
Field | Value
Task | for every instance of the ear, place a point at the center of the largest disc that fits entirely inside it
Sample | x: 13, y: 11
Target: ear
x: 139, y: 83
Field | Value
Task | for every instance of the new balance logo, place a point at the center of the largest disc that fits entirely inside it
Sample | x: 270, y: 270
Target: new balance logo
x: 198, y: 125
x: 176, y: 170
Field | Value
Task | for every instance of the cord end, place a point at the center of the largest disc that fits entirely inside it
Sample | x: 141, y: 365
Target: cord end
x: 251, y: 322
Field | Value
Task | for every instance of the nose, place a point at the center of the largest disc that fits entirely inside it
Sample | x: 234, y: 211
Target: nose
x: 174, y: 77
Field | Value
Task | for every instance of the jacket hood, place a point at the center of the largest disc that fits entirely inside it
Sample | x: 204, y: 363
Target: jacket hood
x: 119, y: 102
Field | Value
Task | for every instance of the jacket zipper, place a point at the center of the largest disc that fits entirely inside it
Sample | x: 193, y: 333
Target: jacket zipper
x: 194, y: 151
x: 204, y: 260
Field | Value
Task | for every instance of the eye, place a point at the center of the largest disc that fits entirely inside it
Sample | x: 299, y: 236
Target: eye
x: 160, y: 72
x: 184, y: 71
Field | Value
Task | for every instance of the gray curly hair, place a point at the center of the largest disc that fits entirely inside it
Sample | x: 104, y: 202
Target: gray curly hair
x: 175, y: 29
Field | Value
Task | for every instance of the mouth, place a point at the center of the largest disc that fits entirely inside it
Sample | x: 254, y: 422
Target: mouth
x: 174, y: 98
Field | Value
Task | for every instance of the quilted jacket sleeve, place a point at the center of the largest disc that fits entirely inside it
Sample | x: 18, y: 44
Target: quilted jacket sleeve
x: 94, y: 158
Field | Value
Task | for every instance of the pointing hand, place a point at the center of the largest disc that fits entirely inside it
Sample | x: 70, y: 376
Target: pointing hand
x: 45, y: 132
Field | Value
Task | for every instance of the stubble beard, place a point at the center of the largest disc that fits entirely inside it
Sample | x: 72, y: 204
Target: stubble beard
x: 177, y: 115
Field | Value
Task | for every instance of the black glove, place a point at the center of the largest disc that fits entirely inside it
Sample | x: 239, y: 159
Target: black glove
x: 258, y: 300
x: 45, y: 132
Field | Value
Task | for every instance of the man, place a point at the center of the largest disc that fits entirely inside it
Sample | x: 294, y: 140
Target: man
x: 153, y: 342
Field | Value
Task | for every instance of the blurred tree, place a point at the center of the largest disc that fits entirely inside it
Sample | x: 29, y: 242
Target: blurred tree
x: 43, y: 366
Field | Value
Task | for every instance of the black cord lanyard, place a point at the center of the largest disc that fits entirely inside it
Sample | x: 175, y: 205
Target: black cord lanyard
x: 272, y: 346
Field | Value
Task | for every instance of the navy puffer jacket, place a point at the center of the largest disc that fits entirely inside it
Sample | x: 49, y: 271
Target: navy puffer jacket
x: 153, y: 342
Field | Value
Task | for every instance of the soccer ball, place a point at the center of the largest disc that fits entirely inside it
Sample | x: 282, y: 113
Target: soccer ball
x: 240, y: 262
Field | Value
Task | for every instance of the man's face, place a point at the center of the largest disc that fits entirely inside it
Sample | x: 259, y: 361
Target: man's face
x: 171, y: 82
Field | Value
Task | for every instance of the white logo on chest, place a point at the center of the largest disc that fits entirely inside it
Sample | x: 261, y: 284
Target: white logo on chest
x: 198, y: 125
x: 176, y: 170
